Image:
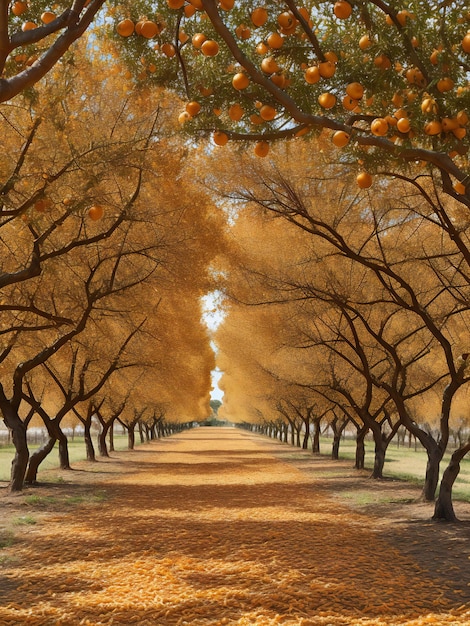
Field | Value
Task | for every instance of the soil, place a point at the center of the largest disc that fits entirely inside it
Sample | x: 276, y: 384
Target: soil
x: 219, y: 526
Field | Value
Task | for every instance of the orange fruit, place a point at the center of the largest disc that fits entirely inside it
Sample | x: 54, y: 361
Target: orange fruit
x: 267, y: 112
x: 261, y: 148
x: 466, y: 43
x: 312, y: 75
x: 355, y: 90
x: 96, y: 212
x: 236, y: 112
x: 47, y: 17
x: 19, y: 8
x: 445, y: 84
x: 168, y: 49
x: 175, y: 4
x: 364, y: 180
x: 365, y: 42
x: 269, y: 65
x: 193, y: 108
x: 198, y: 39
x: 460, y: 188
x: 28, y: 26
x: 227, y: 5
x: 340, y: 138
x: 434, y: 127
x: 349, y: 103
x: 210, y: 48
x: 379, y: 127
x: 125, y: 28
x: 327, y: 69
x: 149, y: 29
x: 403, y: 125
x: 184, y: 117
x: 342, y: 9
x: 275, y: 41
x: 327, y: 100
x: 219, y: 138
x: 259, y: 16
x: 240, y: 81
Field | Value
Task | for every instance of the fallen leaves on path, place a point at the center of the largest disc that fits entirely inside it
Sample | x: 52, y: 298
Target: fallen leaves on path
x: 210, y: 527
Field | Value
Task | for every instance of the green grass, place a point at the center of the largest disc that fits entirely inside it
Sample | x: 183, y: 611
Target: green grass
x: 77, y: 452
x: 404, y: 463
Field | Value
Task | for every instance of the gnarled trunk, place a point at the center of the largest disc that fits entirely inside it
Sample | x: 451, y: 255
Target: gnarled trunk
x: 37, y: 458
x: 19, y: 463
x: 360, y: 448
x: 444, y: 509
x: 316, y: 437
x: 90, y: 448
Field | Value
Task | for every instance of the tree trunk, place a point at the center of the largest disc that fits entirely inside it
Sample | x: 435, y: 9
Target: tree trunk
x: 431, y: 478
x: 130, y: 437
x: 306, y: 436
x: 37, y: 458
x: 19, y: 463
x: 111, y: 437
x: 90, y: 449
x: 102, y: 447
x: 360, y: 448
x: 64, y: 459
x: 335, y: 447
x: 444, y: 509
x: 18, y: 429
x: 379, y: 456
x: 316, y: 437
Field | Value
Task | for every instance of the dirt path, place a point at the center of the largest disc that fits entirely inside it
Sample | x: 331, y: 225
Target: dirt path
x: 218, y: 526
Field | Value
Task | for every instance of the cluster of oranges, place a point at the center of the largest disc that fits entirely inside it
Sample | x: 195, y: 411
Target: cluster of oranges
x: 399, y: 125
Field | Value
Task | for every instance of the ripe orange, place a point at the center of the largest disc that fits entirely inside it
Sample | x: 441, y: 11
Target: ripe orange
x: 340, y: 138
x: 125, y: 28
x: 175, y: 4
x: 189, y: 10
x: 242, y: 31
x: 47, y: 17
x: 28, y: 26
x: 275, y: 41
x: 379, y: 127
x: 96, y: 212
x: 460, y: 188
x: 349, y: 103
x: 149, y: 29
x: 168, y: 49
x: 462, y: 118
x: 286, y: 20
x: 327, y: 100
x: 193, y: 108
x: 261, y: 148
x: 269, y: 65
x: 236, y: 112
x: 466, y: 43
x: 210, y: 48
x: 434, y: 127
x: 449, y: 124
x: 240, y: 81
x: 382, y: 62
x: 364, y: 180
x: 219, y: 138
x: 259, y: 16
x: 267, y: 112
x: 198, y: 39
x: 312, y: 75
x: 355, y: 90
x: 365, y: 42
x: 327, y: 69
x: 19, y: 8
x: 342, y: 9
x: 403, y: 125
x: 445, y: 84
x: 227, y: 5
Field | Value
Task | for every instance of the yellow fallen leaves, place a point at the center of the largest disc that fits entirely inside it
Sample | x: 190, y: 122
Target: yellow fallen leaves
x: 232, y: 536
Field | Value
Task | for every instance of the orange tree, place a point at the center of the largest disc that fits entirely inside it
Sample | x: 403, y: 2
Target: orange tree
x: 389, y: 84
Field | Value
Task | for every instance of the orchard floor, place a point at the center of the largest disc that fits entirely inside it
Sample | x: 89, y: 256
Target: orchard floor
x: 220, y: 526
